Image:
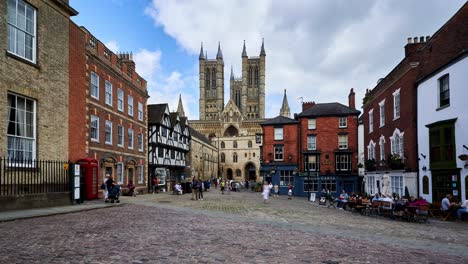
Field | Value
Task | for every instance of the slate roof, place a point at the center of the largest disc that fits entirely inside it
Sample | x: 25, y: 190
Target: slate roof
x: 328, y: 109
x: 195, y: 134
x: 156, y: 113
x: 279, y: 120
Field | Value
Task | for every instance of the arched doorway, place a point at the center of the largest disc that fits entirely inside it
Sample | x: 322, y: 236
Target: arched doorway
x: 229, y: 174
x: 250, y: 172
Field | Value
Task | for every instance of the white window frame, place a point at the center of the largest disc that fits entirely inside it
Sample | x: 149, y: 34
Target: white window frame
x: 140, y: 111
x: 278, y: 133
x: 397, y: 143
x: 140, y: 142
x: 108, y: 132
x: 343, y: 162
x: 370, y: 184
x: 396, y: 104
x: 108, y: 86
x: 371, y: 150
x: 311, y: 123
x: 120, y: 136
x: 382, y: 147
x: 371, y: 120
x: 20, y: 143
x: 94, y: 85
x: 343, y: 122
x: 278, y: 148
x: 20, y: 30
x: 382, y: 113
x: 397, y: 184
x: 94, y: 119
x: 130, y: 138
x: 120, y: 100
x: 130, y: 105
x: 343, y: 142
x: 286, y: 177
x: 120, y: 172
x: 311, y: 142
x: 140, y: 174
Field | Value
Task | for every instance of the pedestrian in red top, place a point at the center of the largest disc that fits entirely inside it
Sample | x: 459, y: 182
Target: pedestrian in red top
x: 155, y: 185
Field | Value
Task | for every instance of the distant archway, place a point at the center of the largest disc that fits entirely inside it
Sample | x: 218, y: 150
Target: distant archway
x: 231, y: 131
x: 229, y: 174
x: 250, y: 172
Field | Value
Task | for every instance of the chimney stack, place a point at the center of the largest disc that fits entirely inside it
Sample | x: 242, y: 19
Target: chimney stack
x: 351, y: 99
x: 414, y: 44
x: 307, y: 105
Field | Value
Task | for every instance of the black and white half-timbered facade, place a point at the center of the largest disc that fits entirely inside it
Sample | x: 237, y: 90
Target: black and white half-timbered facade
x: 168, y: 145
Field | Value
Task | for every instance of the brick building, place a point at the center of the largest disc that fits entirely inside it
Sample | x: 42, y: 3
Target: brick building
x: 316, y: 150
x: 390, y: 110
x: 108, y: 110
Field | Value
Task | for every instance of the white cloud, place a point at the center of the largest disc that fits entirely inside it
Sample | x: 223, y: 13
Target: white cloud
x: 317, y: 50
x: 162, y: 87
x: 113, y: 45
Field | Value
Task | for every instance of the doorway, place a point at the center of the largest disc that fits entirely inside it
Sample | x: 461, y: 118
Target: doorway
x: 229, y: 174
x: 250, y: 172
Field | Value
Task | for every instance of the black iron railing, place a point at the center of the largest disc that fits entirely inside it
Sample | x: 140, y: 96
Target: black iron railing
x: 21, y: 177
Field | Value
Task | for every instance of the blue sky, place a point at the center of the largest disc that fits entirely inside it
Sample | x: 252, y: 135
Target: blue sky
x: 317, y: 50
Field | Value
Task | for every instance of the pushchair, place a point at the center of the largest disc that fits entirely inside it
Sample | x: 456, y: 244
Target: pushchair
x: 114, y: 194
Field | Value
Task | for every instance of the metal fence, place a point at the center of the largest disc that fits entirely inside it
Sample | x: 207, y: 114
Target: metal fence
x: 21, y: 177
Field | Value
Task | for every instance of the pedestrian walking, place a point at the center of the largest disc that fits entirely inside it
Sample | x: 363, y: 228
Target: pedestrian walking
x: 271, y: 187
x: 266, y: 192
x: 194, y: 188
x: 215, y: 182
x: 223, y: 185
x: 155, y: 185
x: 276, y: 190
x: 200, y: 189
x: 290, y: 191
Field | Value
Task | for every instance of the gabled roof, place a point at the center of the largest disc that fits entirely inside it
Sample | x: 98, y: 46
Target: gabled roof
x: 328, y: 109
x: 174, y: 118
x: 183, y: 122
x: 156, y: 113
x: 279, y: 120
x: 195, y: 134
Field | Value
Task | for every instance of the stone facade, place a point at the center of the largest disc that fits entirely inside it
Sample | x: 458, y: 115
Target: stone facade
x: 108, y: 112
x: 43, y: 78
x: 202, y: 157
x: 237, y: 121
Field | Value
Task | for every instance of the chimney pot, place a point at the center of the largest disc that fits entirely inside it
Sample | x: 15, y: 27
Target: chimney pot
x: 421, y: 39
x: 427, y: 38
x: 410, y: 40
x: 415, y: 39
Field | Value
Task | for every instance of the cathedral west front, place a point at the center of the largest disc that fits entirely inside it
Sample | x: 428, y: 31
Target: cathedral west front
x: 233, y: 127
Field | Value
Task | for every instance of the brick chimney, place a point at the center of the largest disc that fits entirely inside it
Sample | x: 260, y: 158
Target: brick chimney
x: 351, y: 99
x: 414, y: 44
x: 307, y: 105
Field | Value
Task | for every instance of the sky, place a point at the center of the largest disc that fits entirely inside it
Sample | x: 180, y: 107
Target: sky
x: 316, y: 50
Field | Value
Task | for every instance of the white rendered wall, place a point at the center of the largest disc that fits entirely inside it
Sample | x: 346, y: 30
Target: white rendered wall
x: 427, y: 104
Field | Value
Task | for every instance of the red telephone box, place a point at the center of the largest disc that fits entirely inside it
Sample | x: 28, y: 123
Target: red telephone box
x: 89, y: 170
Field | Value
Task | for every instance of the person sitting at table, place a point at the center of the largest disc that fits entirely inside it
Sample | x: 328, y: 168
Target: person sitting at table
x: 376, y: 198
x: 386, y: 199
x: 447, y: 205
x: 462, y: 210
x: 178, y: 188
x: 342, y: 200
x: 419, y: 201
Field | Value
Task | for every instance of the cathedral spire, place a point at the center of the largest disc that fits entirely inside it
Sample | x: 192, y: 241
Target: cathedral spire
x: 201, y: 57
x: 285, y: 111
x: 220, y: 53
x: 262, y: 49
x: 244, y: 52
x: 232, y: 73
x: 180, y: 107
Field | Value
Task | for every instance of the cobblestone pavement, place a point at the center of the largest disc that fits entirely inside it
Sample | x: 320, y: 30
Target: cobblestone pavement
x: 239, y: 228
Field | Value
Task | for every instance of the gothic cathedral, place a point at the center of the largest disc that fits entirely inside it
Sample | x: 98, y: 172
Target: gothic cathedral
x: 234, y: 127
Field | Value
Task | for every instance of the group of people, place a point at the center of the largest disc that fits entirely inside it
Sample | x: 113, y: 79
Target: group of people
x: 197, y: 189
x: 268, y: 188
x: 454, y: 208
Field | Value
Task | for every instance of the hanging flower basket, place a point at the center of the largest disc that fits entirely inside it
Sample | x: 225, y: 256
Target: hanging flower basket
x: 463, y: 157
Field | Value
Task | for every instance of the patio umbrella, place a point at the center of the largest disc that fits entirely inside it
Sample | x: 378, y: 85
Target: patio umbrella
x: 407, y: 192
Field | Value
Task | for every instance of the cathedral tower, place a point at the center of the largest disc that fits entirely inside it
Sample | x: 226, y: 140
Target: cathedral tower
x: 253, y: 85
x: 211, y: 85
